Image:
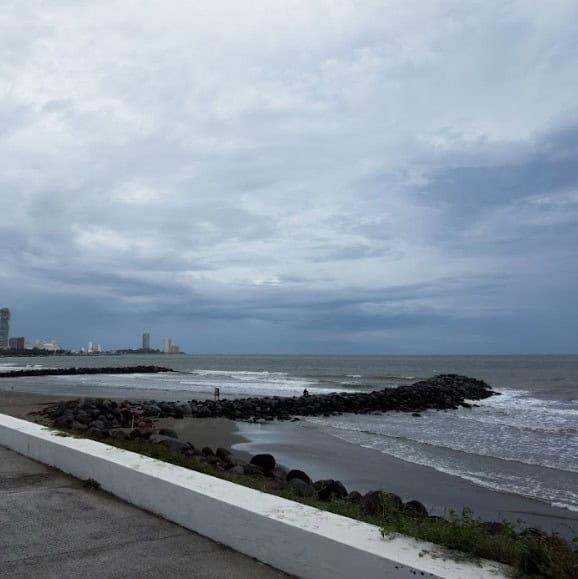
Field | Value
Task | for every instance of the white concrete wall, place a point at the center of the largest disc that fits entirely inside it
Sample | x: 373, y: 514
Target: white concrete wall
x: 295, y: 538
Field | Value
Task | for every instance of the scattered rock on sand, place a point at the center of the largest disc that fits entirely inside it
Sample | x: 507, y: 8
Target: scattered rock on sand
x: 298, y: 474
x: 416, y: 508
x: 301, y: 488
x: 328, y: 490
x: 265, y: 461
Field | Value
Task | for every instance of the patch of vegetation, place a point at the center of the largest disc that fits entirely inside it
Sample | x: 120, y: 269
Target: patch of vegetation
x: 529, y: 552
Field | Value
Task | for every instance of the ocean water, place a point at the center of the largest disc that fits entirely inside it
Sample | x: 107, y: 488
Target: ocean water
x: 524, y: 441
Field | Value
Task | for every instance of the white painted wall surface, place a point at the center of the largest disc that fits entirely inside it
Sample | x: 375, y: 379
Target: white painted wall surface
x: 295, y: 538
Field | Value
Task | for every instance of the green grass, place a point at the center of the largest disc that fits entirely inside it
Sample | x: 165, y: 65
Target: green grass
x: 468, y: 538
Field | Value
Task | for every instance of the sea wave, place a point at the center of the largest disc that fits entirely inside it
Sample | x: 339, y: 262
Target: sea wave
x: 493, y: 479
x: 446, y: 446
x: 14, y: 368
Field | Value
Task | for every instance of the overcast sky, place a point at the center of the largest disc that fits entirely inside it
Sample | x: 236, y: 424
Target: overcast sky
x: 395, y: 176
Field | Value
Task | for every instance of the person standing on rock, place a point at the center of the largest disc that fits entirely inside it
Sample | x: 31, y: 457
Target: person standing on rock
x: 306, y: 393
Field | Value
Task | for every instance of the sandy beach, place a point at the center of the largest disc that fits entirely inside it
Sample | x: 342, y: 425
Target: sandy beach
x: 214, y: 432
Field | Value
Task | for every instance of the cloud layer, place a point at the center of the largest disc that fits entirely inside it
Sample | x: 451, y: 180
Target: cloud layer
x: 297, y: 176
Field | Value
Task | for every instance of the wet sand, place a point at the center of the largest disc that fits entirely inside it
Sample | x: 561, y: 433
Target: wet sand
x: 21, y: 404
x: 301, y: 445
x: 213, y: 432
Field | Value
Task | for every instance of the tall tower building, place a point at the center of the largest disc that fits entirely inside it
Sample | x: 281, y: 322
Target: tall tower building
x: 4, y: 328
x: 146, y: 341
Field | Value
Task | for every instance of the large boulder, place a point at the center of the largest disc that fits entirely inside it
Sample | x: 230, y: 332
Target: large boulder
x: 354, y: 497
x: 301, y: 488
x: 265, y: 461
x: 223, y: 453
x: 372, y: 503
x: 298, y: 474
x: 252, y: 470
x: 171, y: 443
x: 328, y: 490
x: 416, y: 509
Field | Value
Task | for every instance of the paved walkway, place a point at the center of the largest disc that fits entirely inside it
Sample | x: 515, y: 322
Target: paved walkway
x: 53, y: 527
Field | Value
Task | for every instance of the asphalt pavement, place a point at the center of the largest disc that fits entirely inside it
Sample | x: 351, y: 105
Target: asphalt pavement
x: 52, y: 526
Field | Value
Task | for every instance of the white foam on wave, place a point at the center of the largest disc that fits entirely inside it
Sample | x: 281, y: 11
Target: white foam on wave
x: 455, y: 444
x: 573, y: 508
x: 231, y: 383
x: 518, y: 409
x: 12, y: 367
x: 239, y: 374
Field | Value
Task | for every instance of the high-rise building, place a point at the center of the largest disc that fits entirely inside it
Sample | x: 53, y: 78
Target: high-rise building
x: 17, y: 343
x: 4, y: 328
x: 168, y: 345
x: 146, y: 341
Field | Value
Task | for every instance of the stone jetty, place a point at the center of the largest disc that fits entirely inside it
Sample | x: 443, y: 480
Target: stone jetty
x: 79, y: 371
x: 444, y: 392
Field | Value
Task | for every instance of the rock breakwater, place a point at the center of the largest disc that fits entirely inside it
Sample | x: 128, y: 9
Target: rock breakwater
x: 444, y: 392
x: 80, y: 371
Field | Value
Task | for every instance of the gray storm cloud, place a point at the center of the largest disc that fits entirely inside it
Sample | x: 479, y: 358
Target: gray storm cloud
x: 302, y: 175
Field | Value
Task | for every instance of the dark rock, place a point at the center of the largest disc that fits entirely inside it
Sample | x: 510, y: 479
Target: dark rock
x: 279, y: 473
x: 223, y: 453
x: 354, y: 497
x: 443, y: 392
x: 78, y: 371
x: 391, y: 500
x: 252, y: 470
x: 264, y: 461
x: 298, y: 474
x: 301, y: 488
x: 372, y: 503
x: 415, y: 508
x: 328, y: 490
x: 207, y: 451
